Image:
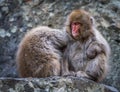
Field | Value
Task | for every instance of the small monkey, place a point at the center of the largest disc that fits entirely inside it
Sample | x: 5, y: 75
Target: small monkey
x: 87, y: 52
x: 40, y: 52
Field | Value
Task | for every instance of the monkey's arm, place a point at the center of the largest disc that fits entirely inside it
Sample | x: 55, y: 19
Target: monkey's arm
x: 64, y: 67
x: 97, y: 68
x: 97, y: 65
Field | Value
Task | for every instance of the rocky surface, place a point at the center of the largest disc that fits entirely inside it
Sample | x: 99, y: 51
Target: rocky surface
x: 19, y: 16
x: 54, y: 84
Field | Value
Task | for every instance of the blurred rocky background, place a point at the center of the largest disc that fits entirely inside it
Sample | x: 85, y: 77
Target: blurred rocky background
x: 19, y: 16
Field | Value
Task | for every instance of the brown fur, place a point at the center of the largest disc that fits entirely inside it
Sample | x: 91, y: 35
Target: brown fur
x: 40, y: 52
x: 88, y: 55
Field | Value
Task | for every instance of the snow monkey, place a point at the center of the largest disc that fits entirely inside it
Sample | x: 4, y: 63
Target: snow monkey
x: 40, y: 52
x: 87, y: 53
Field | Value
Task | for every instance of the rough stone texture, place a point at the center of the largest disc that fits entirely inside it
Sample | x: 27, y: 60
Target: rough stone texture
x: 19, y: 16
x: 54, y: 84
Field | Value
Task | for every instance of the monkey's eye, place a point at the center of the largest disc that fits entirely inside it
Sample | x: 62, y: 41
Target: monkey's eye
x: 76, y: 23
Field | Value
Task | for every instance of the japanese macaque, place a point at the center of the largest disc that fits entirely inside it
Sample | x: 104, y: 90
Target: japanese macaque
x: 87, y: 52
x: 40, y: 52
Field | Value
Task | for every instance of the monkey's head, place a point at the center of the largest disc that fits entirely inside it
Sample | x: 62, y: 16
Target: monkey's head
x: 79, y: 24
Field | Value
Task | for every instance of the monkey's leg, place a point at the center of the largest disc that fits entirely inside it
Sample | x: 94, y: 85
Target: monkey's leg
x: 51, y: 68
x: 97, y: 68
x: 55, y: 67
x: 23, y: 70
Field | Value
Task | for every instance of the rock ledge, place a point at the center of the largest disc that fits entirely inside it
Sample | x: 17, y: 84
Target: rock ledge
x: 52, y: 84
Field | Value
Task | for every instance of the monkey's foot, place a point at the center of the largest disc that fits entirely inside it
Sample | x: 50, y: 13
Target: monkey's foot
x: 81, y: 74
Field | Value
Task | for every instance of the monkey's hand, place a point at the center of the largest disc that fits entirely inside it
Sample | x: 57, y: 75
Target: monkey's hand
x: 93, y: 50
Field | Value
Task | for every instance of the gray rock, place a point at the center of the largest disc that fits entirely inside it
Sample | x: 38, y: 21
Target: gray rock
x: 53, y: 84
x: 104, y: 1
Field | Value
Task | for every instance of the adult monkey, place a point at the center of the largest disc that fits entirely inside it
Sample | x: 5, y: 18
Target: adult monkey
x: 40, y: 52
x: 87, y: 52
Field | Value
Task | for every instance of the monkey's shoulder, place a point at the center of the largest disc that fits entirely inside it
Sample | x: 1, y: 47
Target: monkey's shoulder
x: 45, y: 33
x: 44, y: 30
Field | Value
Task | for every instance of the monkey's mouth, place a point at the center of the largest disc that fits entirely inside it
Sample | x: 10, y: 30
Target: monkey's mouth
x: 75, y: 33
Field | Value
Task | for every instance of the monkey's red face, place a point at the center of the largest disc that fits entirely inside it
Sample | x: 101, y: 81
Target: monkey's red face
x: 78, y: 24
x: 75, y: 28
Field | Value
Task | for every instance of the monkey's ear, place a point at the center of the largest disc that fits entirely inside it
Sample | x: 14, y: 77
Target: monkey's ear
x: 67, y: 25
x: 92, y: 20
x: 67, y: 21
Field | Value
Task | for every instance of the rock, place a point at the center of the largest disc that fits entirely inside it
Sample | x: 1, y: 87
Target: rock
x: 14, y: 29
x: 86, y: 1
x: 2, y: 33
x: 53, y: 84
x: 5, y: 9
x: 104, y: 1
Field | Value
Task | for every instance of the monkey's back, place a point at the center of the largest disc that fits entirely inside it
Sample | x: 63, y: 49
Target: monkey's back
x: 39, y: 52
